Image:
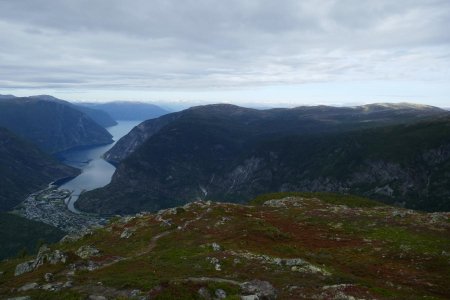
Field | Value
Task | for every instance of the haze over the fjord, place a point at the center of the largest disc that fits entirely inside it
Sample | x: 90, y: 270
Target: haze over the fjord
x: 277, y: 53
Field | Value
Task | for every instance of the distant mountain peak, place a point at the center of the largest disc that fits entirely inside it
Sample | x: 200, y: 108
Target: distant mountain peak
x: 7, y: 97
x: 401, y: 105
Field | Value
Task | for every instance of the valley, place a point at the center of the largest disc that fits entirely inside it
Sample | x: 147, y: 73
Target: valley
x: 54, y: 205
x: 224, y: 150
x: 49, y: 206
x: 95, y: 171
x: 241, y: 203
x: 398, y: 154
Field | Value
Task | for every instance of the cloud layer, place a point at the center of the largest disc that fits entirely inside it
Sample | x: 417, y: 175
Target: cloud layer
x: 203, y: 44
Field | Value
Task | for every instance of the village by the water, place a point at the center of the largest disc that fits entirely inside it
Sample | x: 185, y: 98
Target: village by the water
x: 50, y: 206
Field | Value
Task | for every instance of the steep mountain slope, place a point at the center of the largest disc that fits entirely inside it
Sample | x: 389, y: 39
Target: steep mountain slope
x: 127, y: 110
x: 290, y: 246
x: 228, y: 153
x: 299, y: 120
x: 17, y: 234
x: 52, y: 125
x: 24, y: 169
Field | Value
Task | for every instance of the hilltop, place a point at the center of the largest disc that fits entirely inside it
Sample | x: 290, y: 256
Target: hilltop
x: 284, y: 246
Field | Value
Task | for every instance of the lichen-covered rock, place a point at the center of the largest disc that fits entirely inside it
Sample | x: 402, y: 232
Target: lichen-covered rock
x: 216, y: 247
x: 48, y: 277
x: 203, y: 293
x: 56, y: 257
x: 28, y: 286
x: 87, y: 251
x: 285, y: 202
x: 54, y: 287
x: 250, y: 297
x: 262, y: 289
x: 311, y: 269
x: 294, y: 262
x: 45, y: 255
x: 126, y: 233
x: 24, y: 267
x: 75, y: 236
x: 220, y: 294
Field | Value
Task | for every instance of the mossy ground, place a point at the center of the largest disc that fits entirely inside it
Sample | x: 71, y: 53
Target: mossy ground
x: 379, y: 252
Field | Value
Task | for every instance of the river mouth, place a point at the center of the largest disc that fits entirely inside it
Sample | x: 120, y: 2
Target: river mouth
x: 95, y: 171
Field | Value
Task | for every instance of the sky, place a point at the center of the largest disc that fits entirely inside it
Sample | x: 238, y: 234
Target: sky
x: 249, y: 52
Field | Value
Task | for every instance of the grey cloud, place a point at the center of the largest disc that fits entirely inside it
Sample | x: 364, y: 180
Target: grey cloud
x: 203, y: 43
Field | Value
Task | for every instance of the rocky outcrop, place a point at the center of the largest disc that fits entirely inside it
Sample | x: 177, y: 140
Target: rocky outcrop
x: 87, y: 252
x: 45, y: 255
x: 260, y: 289
x: 28, y: 286
x: 126, y: 233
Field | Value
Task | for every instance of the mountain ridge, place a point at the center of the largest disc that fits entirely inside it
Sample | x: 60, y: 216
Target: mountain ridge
x: 224, y: 153
x: 146, y: 129
x: 128, y: 110
x: 52, y: 125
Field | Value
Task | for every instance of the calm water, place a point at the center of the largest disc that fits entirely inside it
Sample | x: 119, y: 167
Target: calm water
x: 96, y: 172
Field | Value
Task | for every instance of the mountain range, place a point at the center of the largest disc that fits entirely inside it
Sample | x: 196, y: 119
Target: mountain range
x: 128, y: 110
x: 394, y: 153
x: 52, y: 124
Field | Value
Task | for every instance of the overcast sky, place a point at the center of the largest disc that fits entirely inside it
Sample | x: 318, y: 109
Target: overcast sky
x: 269, y: 52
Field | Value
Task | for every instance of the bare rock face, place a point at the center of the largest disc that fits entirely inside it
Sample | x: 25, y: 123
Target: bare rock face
x: 45, y: 255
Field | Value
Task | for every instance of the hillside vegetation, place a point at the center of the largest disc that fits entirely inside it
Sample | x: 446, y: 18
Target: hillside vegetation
x: 397, y: 155
x: 24, y: 169
x: 20, y: 236
x: 285, y: 246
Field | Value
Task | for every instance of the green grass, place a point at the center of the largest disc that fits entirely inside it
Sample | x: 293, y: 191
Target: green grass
x: 131, y: 274
x: 416, y: 242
